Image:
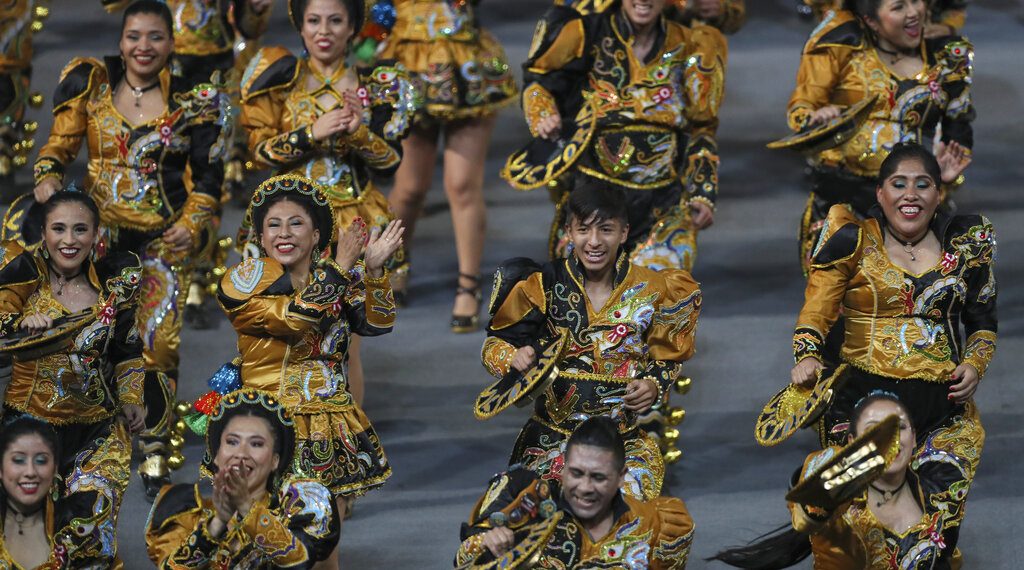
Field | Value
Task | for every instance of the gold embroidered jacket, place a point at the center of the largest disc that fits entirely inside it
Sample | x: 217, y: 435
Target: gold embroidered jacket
x: 136, y: 173
x: 641, y: 125
x: 278, y: 112
x: 852, y: 537
x: 900, y: 325
x: 295, y: 343
x: 102, y: 369
x: 840, y: 66
x: 208, y: 27
x: 654, y: 534
x: 646, y: 329
x: 952, y: 13
x: 295, y: 528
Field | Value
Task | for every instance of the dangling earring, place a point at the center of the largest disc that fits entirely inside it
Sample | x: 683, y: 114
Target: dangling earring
x: 315, y: 257
x: 92, y: 254
x: 44, y: 252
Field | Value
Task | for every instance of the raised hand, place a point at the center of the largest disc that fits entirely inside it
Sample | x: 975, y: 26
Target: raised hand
x: 331, y: 123
x: 953, y: 159
x: 45, y: 189
x: 381, y: 246
x: 350, y: 244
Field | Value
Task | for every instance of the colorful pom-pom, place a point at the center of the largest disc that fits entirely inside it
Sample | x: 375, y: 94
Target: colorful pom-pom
x: 227, y: 379
x: 207, y: 404
x: 384, y: 14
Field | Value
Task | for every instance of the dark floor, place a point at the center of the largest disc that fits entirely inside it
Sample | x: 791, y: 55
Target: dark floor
x: 422, y: 379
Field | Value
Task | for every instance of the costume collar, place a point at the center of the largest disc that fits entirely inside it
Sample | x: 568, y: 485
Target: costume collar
x: 625, y: 29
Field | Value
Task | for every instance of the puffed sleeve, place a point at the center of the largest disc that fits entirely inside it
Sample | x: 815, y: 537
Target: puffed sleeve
x: 258, y: 297
x: 674, y: 326
x: 979, y: 312
x: 833, y: 263
x: 123, y: 273
x: 821, y: 66
x: 555, y: 67
x: 264, y: 87
x: 956, y: 55
x: 518, y: 313
x: 70, y: 117
x: 19, y: 278
x: 369, y: 303
x: 298, y: 534
x: 673, y: 536
x: 703, y: 86
x: 177, y: 535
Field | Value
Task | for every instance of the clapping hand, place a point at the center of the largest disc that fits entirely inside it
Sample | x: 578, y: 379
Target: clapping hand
x: 381, y: 246
x: 350, y: 244
x: 953, y: 159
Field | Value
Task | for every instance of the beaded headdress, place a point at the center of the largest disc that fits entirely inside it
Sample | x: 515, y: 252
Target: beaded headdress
x: 299, y: 189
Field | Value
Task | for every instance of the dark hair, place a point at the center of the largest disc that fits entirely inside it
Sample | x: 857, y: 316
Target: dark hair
x: 284, y: 437
x: 17, y: 428
x: 602, y: 433
x: 863, y: 8
x: 355, y: 9
x: 592, y: 198
x: 873, y: 397
x: 70, y: 197
x: 149, y: 7
x: 903, y: 152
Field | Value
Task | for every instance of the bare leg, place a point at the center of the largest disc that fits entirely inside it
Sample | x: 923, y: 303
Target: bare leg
x: 332, y: 561
x: 465, y: 154
x: 356, y: 380
x: 412, y: 180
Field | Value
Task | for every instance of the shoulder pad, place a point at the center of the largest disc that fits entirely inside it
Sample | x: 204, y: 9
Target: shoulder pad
x: 16, y: 265
x: 840, y: 237
x: 79, y: 77
x: 509, y: 273
x: 173, y: 500
x: 838, y: 29
x: 972, y: 231
x: 272, y: 68
x: 309, y: 503
x: 120, y: 273
x: 953, y: 52
x: 253, y: 277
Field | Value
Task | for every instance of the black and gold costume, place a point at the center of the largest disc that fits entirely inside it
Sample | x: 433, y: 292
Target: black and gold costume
x: 654, y: 534
x: 950, y: 13
x: 293, y: 528
x: 646, y: 329
x: 137, y: 176
x: 295, y: 344
x: 903, y: 332
x: 840, y: 66
x: 734, y: 15
x: 852, y: 537
x: 81, y: 389
x: 278, y: 110
x: 645, y: 126
x: 457, y: 66
x: 19, y: 19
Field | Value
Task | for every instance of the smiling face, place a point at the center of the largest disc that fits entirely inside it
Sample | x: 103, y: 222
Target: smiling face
x: 288, y: 234
x: 146, y: 43
x: 27, y: 470
x: 247, y: 443
x: 326, y: 30
x: 909, y: 198
x: 900, y: 22
x: 643, y: 13
x: 69, y: 233
x: 595, y: 243
x: 873, y: 414
x: 590, y: 481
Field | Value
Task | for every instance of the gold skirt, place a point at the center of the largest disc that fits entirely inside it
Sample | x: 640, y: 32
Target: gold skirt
x: 341, y: 450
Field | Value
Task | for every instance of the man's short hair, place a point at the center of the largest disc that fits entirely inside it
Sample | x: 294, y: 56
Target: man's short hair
x: 600, y: 432
x: 594, y: 199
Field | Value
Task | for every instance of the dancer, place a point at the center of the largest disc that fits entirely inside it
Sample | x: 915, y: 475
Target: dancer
x: 876, y: 48
x: 339, y: 126
x: 90, y: 389
x: 591, y: 523
x: 726, y: 15
x: 295, y: 312
x: 899, y: 519
x: 945, y: 17
x: 39, y: 528
x: 258, y: 516
x: 629, y: 330
x: 462, y: 72
x: 144, y: 129
x: 918, y: 293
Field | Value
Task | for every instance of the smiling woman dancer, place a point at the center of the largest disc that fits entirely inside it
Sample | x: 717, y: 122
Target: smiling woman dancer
x: 144, y: 129
x: 911, y: 283
x: 295, y: 312
x: 339, y: 126
x: 80, y: 387
x: 877, y: 48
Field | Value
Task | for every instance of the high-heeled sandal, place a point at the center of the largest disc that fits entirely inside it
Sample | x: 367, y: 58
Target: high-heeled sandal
x: 467, y: 323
